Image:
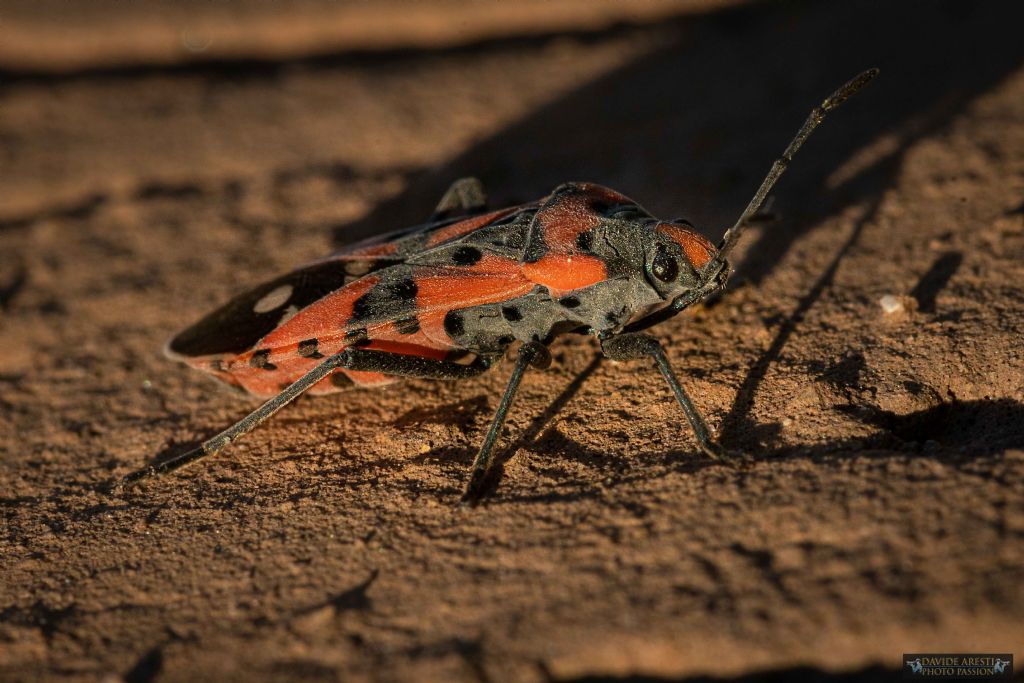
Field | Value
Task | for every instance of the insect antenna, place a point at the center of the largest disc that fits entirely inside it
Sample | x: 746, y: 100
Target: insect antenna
x: 817, y: 115
x: 222, y: 440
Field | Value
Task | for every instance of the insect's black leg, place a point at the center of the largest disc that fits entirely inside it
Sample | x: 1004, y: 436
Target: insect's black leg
x: 465, y: 196
x: 219, y: 442
x: 637, y: 346
x: 532, y: 353
x: 351, y: 359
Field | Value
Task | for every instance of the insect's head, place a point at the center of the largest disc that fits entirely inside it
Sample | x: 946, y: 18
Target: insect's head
x: 678, y: 261
x: 681, y: 267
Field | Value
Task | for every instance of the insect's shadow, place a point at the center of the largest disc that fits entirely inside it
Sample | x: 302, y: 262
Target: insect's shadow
x: 935, y: 280
x: 529, y: 437
x: 690, y: 128
x: 954, y: 433
x: 353, y: 598
x: 480, y: 406
x: 463, y: 411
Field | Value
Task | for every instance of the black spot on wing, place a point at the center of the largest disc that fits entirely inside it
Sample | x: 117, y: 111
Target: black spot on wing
x: 454, y: 324
x: 466, y: 255
x: 236, y: 327
x: 536, y: 249
x: 389, y: 299
x: 261, y: 360
x: 362, y: 309
x: 308, y: 349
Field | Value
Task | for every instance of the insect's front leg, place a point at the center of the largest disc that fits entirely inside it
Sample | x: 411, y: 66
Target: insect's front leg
x: 531, y: 353
x: 632, y: 346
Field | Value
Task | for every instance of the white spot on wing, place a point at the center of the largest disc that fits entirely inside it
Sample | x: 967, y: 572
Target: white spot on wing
x: 357, y: 268
x: 287, y: 315
x: 275, y: 298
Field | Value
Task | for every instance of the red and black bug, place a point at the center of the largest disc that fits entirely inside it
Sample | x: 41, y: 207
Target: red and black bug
x: 447, y: 299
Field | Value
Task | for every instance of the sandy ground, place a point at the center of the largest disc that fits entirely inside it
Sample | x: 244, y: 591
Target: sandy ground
x: 883, y: 511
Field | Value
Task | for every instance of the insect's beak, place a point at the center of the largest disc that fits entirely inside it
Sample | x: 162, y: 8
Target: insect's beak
x: 717, y: 273
x: 717, y: 268
x: 712, y: 278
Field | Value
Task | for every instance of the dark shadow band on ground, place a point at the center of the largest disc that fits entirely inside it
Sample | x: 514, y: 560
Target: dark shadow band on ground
x: 690, y: 129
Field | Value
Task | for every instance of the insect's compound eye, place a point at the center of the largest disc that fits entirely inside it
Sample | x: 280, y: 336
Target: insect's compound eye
x: 665, y: 267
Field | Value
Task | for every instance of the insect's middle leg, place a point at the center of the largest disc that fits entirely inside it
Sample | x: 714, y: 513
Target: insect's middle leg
x: 637, y: 346
x: 532, y: 353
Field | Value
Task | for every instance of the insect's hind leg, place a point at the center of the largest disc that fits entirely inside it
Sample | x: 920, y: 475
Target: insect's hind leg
x: 534, y: 354
x: 366, y: 360
x: 636, y: 346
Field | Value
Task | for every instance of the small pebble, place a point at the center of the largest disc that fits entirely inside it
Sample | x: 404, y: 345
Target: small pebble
x: 890, y: 304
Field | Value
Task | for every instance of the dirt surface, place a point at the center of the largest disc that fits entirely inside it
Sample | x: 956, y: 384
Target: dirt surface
x: 54, y: 36
x: 882, y: 513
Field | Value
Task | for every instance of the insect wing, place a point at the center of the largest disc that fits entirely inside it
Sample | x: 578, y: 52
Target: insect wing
x: 400, y: 245
x: 269, y: 336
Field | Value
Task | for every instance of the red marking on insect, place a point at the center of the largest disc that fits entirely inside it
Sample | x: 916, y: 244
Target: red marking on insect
x: 493, y: 278
x: 447, y: 299
x: 565, y: 218
x: 695, y: 246
x: 561, y: 273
